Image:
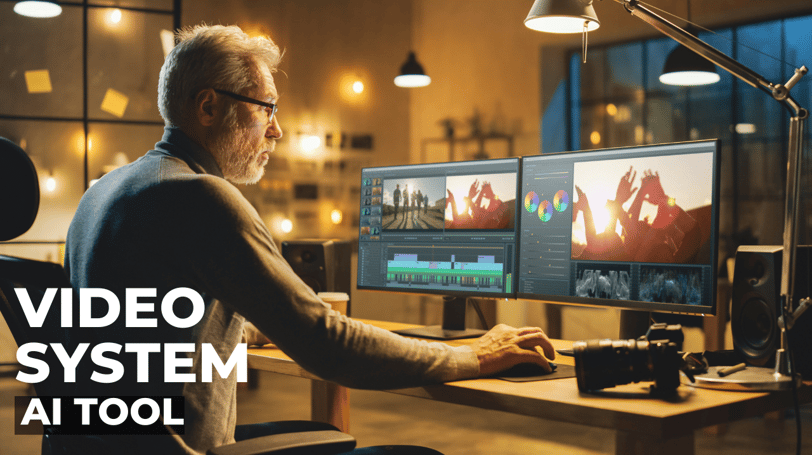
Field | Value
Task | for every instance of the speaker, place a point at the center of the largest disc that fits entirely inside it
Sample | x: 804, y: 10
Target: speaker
x: 324, y: 265
x: 756, y: 301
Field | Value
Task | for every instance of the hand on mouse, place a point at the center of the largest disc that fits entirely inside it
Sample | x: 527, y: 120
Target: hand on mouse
x: 504, y: 346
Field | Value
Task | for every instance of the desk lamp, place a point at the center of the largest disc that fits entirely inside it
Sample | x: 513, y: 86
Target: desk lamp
x: 578, y: 16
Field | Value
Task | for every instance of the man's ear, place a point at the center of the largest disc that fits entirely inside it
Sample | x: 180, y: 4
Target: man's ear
x: 207, y: 107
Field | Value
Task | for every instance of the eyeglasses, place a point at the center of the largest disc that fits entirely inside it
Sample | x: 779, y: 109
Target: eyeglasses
x: 246, y: 99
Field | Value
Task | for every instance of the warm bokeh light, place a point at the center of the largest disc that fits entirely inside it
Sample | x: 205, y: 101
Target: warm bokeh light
x: 595, y: 138
x: 167, y: 41
x: 115, y: 16
x: 611, y: 109
x: 336, y: 216
x: 745, y: 128
x: 358, y: 87
x: 50, y: 184
x: 309, y: 143
x: 286, y: 226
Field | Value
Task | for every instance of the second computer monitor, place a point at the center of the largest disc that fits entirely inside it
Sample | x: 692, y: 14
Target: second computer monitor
x: 442, y: 228
x: 630, y: 227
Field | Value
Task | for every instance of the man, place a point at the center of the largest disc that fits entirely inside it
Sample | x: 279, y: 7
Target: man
x: 173, y: 219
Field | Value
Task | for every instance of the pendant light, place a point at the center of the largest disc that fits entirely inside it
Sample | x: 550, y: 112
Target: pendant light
x: 412, y: 74
x: 684, y: 67
x: 562, y: 16
x: 39, y: 9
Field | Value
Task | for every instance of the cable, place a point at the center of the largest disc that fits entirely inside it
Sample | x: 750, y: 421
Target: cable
x: 791, y: 370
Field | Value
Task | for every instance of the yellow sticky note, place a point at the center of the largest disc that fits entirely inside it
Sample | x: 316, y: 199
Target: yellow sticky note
x: 38, y: 81
x: 114, y: 102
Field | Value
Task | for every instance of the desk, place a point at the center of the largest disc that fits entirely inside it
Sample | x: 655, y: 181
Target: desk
x: 644, y: 425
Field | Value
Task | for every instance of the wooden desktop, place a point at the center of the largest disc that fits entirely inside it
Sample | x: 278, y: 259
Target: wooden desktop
x: 643, y: 424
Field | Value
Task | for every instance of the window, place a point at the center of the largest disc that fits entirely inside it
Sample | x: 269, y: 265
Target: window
x: 80, y: 104
x: 616, y: 99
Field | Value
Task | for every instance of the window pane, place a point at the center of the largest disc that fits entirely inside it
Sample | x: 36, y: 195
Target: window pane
x: 665, y: 119
x: 761, y: 200
x: 124, y: 59
x: 756, y: 108
x: 57, y: 150
x: 798, y: 42
x: 116, y: 145
x: 624, y: 124
x: 592, y: 74
x: 625, y: 71
x: 42, y: 71
x: 592, y: 133
x: 575, y: 103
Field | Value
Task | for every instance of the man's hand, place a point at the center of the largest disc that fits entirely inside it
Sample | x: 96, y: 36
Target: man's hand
x: 504, y: 346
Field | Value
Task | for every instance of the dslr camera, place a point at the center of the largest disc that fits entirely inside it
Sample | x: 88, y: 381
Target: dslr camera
x: 601, y: 364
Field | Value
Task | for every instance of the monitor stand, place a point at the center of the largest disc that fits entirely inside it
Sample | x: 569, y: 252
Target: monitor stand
x: 634, y: 324
x: 453, y: 327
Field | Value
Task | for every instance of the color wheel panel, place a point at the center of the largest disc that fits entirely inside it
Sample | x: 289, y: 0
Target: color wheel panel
x: 545, y: 211
x: 531, y: 202
x: 561, y: 200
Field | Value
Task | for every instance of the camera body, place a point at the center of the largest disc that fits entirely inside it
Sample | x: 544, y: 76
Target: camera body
x: 600, y: 364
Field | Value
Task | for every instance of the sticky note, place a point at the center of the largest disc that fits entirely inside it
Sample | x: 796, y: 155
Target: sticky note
x: 38, y: 81
x: 114, y: 102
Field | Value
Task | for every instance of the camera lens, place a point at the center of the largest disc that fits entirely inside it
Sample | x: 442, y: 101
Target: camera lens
x: 601, y: 364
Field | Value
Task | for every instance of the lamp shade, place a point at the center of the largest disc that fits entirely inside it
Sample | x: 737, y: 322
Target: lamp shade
x: 685, y: 67
x: 562, y: 16
x: 37, y: 9
x: 412, y: 74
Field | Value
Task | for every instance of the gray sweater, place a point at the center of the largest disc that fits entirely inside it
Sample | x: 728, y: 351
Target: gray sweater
x: 170, y: 220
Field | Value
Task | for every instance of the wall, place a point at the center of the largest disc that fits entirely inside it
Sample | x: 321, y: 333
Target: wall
x: 326, y: 45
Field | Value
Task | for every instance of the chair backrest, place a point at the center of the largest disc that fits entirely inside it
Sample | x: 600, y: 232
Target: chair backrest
x: 19, y: 191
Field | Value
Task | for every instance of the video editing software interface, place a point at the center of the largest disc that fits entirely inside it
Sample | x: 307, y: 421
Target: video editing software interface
x: 443, y: 228
x: 630, y: 227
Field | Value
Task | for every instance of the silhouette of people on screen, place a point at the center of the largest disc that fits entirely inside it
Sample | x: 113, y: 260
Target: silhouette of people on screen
x: 672, y: 237
x: 396, y: 199
x: 494, y: 214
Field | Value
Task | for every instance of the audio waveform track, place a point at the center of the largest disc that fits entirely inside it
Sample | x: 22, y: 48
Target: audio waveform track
x: 481, y: 271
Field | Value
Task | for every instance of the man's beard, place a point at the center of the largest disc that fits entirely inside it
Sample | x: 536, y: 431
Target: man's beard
x: 240, y: 161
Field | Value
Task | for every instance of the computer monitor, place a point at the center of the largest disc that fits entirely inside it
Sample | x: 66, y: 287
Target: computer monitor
x: 440, y: 228
x: 631, y: 227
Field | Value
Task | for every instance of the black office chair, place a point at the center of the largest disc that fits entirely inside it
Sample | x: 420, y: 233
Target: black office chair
x: 19, y: 204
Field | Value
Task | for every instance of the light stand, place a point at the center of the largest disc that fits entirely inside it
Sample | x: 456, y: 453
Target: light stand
x: 780, y: 376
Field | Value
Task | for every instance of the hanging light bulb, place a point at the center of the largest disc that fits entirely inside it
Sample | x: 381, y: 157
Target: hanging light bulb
x: 685, y: 67
x: 412, y: 74
x: 41, y: 9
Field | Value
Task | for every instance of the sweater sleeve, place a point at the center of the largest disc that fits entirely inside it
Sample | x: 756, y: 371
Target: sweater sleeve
x: 234, y: 259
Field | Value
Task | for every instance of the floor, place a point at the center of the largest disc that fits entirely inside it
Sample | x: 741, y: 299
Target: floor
x: 379, y: 418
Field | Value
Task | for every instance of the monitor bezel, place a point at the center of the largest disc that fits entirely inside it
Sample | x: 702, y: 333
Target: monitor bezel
x: 454, y: 293
x: 637, y: 305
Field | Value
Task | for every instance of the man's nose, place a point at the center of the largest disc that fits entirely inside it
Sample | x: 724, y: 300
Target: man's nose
x: 274, y: 129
